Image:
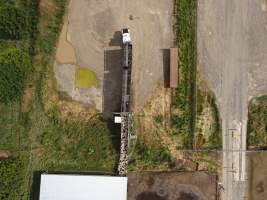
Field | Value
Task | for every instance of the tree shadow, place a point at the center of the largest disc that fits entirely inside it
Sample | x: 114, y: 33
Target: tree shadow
x: 166, y: 67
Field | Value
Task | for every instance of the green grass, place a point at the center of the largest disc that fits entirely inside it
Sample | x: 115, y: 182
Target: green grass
x: 190, y: 99
x: 184, y: 101
x: 40, y: 139
x: 85, y: 78
x: 149, y: 157
x: 257, y: 123
x: 13, y: 173
x: 15, y: 68
x: 75, y: 145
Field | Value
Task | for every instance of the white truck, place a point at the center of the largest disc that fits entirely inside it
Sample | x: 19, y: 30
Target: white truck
x: 126, y: 37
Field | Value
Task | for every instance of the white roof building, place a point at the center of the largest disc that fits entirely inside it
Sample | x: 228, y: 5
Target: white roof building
x: 82, y: 187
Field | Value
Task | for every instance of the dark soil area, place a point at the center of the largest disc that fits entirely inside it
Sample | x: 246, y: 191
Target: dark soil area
x: 172, y: 186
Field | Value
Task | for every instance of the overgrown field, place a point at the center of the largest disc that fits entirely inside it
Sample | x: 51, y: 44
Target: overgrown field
x: 257, y: 123
x: 192, y: 99
x: 148, y: 152
x: 39, y: 126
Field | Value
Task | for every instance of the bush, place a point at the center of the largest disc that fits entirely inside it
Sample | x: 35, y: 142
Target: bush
x: 15, y: 66
x: 257, y: 123
x: 13, y: 22
x: 13, y: 181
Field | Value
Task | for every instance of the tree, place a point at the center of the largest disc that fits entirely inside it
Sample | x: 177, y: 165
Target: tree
x: 13, y: 22
x: 15, y: 66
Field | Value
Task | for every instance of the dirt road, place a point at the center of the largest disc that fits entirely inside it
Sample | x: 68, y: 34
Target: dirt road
x: 231, y: 42
x: 94, y: 32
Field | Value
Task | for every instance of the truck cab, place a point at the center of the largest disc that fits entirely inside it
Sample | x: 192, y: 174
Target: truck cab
x: 126, y: 38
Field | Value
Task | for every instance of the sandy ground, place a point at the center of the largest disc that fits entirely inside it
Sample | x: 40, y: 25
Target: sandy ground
x: 65, y: 52
x: 65, y: 68
x: 94, y: 33
x: 232, y: 44
x: 171, y: 186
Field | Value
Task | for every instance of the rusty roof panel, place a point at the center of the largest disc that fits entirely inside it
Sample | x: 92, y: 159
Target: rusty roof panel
x: 174, y: 67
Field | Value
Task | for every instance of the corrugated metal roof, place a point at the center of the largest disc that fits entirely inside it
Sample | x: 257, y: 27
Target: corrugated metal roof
x: 82, y: 187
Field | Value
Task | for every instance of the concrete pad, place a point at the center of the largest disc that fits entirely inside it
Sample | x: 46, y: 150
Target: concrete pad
x: 94, y: 29
x: 65, y: 76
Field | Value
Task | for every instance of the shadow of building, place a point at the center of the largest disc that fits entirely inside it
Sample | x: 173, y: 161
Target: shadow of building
x: 112, y: 82
x: 166, y: 67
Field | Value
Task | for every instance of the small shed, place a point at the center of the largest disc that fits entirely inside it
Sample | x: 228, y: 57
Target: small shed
x: 82, y: 187
x: 174, y: 59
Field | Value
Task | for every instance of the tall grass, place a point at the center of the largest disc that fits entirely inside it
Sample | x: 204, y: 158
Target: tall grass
x: 184, y: 101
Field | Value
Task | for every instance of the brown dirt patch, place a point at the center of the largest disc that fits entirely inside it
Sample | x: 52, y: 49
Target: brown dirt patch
x: 257, y: 175
x: 172, y: 186
x: 4, y: 154
x: 154, y: 127
x: 47, y: 3
x: 28, y: 96
x: 155, y: 117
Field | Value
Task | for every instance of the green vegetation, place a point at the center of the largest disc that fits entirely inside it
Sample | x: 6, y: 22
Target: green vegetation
x: 147, y: 151
x: 215, y: 139
x: 18, y: 24
x: 257, y: 123
x: 13, y: 22
x: 147, y: 156
x: 76, y: 145
x: 183, y: 119
x: 190, y: 98
x: 33, y: 129
x: 85, y: 78
x: 15, y: 67
x: 12, y: 173
x: 158, y: 119
x: 50, y: 27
